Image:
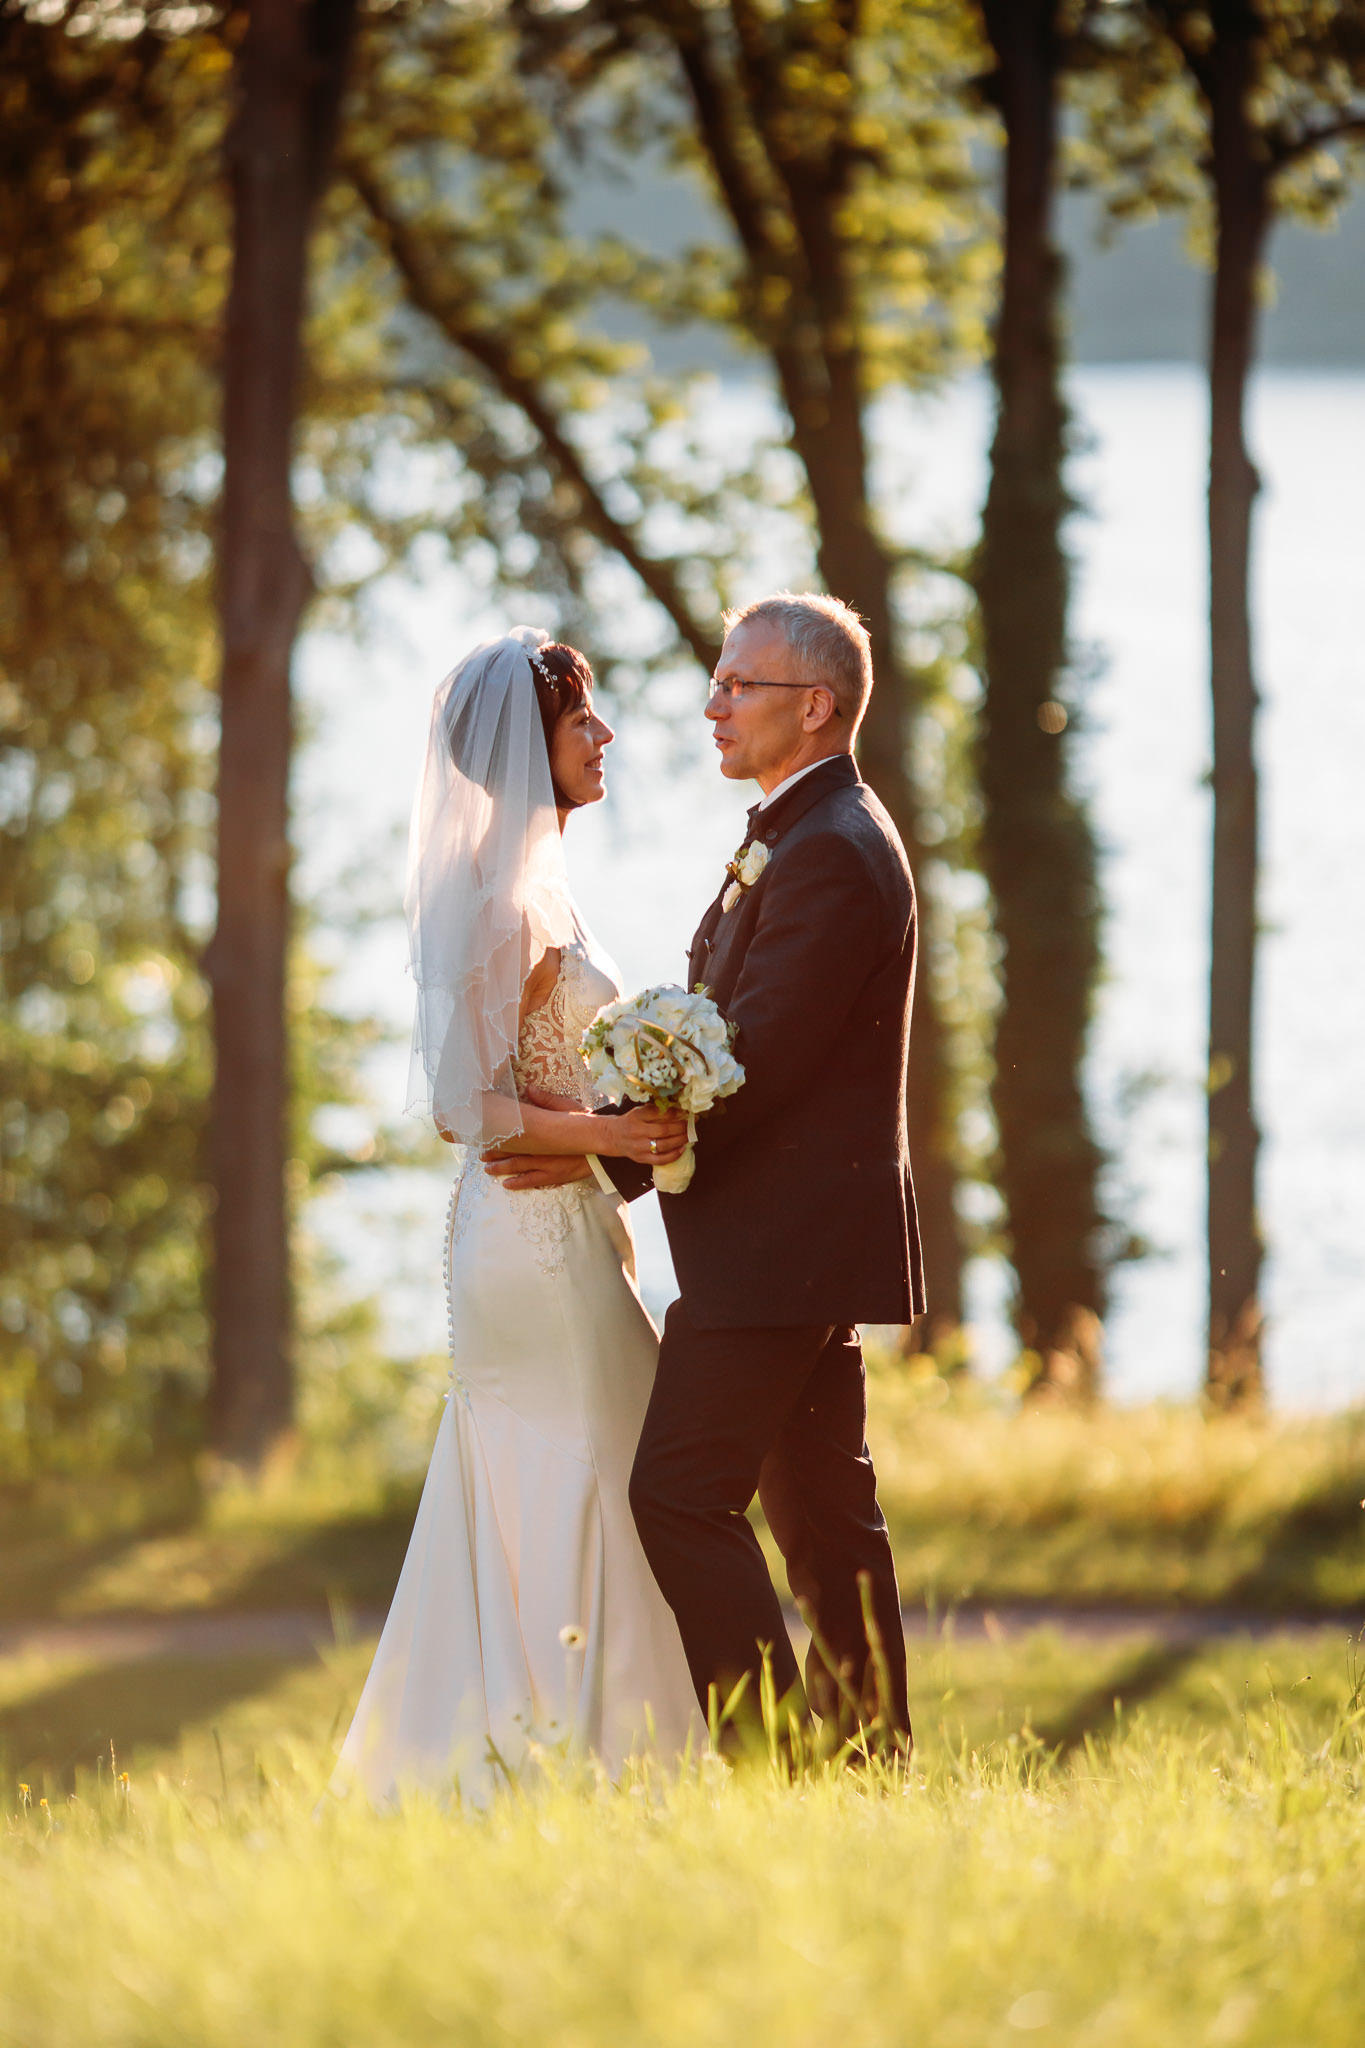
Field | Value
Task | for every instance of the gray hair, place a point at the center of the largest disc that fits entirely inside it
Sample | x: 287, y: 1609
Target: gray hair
x: 828, y: 641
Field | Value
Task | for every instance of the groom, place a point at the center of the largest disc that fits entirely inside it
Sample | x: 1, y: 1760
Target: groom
x: 800, y: 1220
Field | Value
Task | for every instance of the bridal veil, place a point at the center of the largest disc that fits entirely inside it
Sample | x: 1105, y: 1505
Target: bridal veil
x: 487, y: 891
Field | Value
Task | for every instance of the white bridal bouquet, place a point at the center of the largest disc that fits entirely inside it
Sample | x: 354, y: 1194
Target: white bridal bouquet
x: 669, y: 1048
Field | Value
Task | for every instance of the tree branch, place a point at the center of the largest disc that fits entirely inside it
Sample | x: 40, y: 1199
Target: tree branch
x: 1171, y: 15
x: 745, y: 200
x: 747, y: 204
x: 814, y: 189
x: 442, y: 305
x: 1350, y: 127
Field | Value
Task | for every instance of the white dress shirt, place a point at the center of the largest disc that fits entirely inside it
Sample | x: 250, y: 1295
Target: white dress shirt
x: 790, y: 782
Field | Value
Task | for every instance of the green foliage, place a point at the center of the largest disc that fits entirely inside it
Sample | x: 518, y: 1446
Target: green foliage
x: 809, y: 209
x: 1140, y: 67
x: 105, y: 662
x: 110, y: 296
x: 466, y: 317
x: 457, y: 329
x: 468, y: 386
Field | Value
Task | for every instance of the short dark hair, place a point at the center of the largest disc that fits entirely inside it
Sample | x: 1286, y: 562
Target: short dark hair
x: 563, y: 683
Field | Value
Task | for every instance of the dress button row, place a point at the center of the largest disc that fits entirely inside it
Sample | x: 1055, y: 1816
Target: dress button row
x: 453, y: 1376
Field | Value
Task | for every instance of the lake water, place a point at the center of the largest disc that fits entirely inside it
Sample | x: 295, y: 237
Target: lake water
x: 647, y: 860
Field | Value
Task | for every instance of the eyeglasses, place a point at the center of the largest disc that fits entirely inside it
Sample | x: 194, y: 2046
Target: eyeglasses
x: 730, y: 690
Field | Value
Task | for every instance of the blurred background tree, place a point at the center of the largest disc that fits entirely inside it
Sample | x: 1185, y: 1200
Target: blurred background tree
x: 289, y: 77
x: 546, y: 228
x: 1037, y: 848
x: 847, y: 258
x: 106, y: 336
x: 1237, y: 112
x: 110, y: 298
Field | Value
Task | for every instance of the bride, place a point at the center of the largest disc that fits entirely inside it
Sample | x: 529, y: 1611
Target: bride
x: 526, y: 1609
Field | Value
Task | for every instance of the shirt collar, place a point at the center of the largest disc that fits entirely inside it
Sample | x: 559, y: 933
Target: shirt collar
x: 788, y: 804
x: 788, y: 782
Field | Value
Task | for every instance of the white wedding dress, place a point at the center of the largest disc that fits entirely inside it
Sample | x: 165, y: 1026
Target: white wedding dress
x: 526, y: 1610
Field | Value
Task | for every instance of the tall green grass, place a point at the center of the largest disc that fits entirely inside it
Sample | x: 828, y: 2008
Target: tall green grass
x: 1177, y: 1880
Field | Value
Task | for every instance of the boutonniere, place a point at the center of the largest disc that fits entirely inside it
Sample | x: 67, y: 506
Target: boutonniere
x: 744, y: 870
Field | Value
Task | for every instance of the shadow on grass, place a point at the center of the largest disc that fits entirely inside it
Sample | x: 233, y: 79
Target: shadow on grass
x: 1148, y: 1672
x: 41, y: 1573
x: 355, y: 1557
x: 1327, y: 1525
x: 48, y: 1737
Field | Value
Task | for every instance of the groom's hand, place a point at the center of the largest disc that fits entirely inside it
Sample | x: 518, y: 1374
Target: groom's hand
x: 522, y: 1170
x: 565, y: 1105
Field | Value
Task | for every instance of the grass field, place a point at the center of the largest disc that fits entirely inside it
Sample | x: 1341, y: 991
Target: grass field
x: 1100, y: 1841
x: 1188, y: 1869
x: 1159, y: 1505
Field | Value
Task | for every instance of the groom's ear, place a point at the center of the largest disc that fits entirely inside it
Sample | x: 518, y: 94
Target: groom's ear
x: 822, y: 709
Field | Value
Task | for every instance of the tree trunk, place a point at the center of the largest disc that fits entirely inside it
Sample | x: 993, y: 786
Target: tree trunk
x: 854, y: 566
x: 829, y: 438
x: 1241, y: 197
x: 828, y: 435
x: 290, y: 72
x: 815, y: 353
x: 1037, y: 848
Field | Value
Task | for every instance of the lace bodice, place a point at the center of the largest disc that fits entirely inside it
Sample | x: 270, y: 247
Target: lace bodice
x: 547, y: 1050
x: 547, y: 1058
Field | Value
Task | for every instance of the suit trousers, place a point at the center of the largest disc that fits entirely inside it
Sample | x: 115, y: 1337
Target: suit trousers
x: 781, y: 1413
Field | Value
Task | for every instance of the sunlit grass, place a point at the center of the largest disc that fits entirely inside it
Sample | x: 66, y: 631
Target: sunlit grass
x: 1194, y: 1872
x: 1100, y: 1841
x: 191, y: 1717
x: 1160, y: 1504
x: 1157, y: 1504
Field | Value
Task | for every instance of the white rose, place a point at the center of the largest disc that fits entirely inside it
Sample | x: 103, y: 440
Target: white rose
x: 752, y: 862
x: 703, y: 1089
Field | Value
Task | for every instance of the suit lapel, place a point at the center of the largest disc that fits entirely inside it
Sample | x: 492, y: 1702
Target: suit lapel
x: 768, y: 828
x: 701, y: 944
x: 839, y: 772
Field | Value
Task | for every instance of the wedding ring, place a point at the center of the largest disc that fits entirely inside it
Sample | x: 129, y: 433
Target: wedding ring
x: 653, y: 1144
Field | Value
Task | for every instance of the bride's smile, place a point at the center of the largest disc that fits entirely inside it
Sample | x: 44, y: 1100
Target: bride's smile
x: 579, y: 741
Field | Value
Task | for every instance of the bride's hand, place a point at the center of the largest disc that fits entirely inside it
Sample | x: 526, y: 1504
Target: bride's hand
x: 653, y: 1137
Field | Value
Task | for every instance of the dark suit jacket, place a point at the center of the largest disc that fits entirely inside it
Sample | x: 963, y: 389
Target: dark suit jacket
x: 802, y: 1208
